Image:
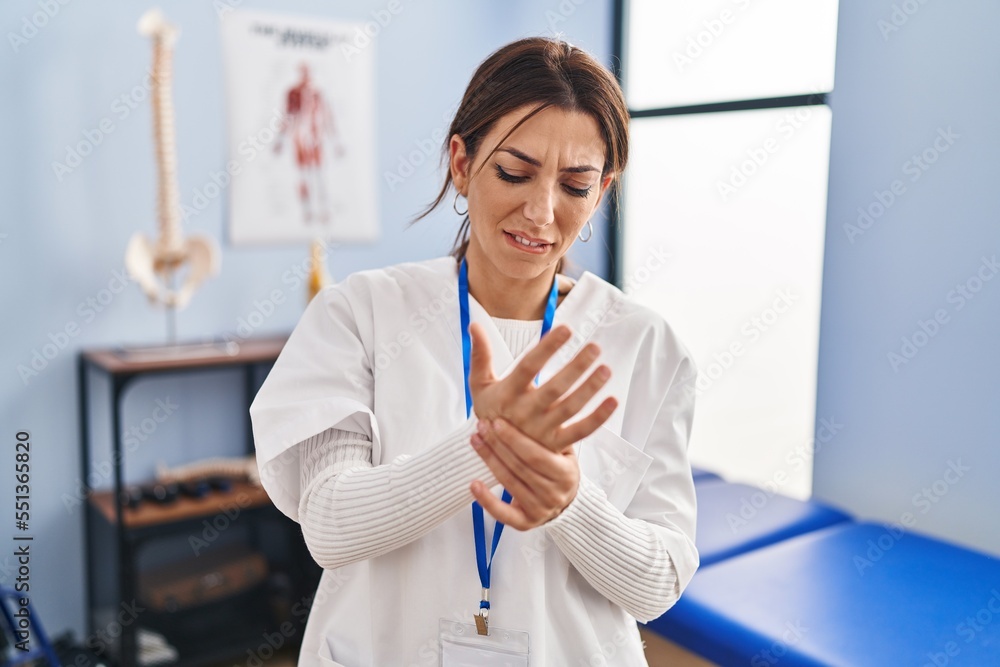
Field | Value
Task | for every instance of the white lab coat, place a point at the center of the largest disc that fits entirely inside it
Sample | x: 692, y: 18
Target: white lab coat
x: 403, y: 322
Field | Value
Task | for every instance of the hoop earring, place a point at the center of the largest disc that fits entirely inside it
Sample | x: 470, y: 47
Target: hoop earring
x: 590, y: 226
x: 454, y: 205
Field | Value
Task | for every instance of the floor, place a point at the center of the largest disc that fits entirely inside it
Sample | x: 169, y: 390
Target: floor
x: 662, y: 653
x: 659, y: 653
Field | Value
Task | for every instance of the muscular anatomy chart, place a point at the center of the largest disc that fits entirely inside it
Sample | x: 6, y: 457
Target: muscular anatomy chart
x: 308, y: 123
x: 301, y: 135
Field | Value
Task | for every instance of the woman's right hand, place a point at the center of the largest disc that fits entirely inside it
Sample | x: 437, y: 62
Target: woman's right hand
x: 540, y: 412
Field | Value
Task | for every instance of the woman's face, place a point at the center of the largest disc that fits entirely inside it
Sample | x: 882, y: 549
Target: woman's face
x: 541, y: 186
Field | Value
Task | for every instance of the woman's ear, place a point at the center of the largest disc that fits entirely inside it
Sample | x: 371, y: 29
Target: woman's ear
x: 606, y: 182
x: 458, y: 164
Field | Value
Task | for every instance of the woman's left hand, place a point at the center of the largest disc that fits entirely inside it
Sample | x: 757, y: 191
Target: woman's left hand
x: 541, y: 482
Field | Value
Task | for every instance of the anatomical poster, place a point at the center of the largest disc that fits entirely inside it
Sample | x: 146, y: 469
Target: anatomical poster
x: 300, y: 110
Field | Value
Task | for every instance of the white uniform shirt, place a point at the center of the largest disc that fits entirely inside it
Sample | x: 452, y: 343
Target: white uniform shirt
x: 380, y: 353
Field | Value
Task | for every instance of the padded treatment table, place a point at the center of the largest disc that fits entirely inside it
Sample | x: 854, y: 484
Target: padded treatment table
x: 701, y: 475
x: 854, y: 594
x: 737, y: 518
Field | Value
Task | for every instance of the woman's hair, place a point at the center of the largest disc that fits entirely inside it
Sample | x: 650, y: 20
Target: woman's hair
x: 542, y: 72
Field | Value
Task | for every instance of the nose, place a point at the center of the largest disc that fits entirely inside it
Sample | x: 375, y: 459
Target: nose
x: 540, y: 205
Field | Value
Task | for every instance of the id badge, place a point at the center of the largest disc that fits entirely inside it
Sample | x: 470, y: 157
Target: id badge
x: 462, y: 646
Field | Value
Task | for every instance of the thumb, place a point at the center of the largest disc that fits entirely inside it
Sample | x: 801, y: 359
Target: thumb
x: 481, y: 363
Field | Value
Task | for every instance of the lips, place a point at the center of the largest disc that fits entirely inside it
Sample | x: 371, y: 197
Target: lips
x: 531, y: 241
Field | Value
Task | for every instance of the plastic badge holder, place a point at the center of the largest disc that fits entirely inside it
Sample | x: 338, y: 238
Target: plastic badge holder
x: 462, y: 646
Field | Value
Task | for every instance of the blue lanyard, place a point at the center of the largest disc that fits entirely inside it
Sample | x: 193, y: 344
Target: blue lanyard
x: 477, y: 509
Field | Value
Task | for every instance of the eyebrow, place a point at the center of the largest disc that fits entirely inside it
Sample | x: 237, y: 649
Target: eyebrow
x: 532, y: 161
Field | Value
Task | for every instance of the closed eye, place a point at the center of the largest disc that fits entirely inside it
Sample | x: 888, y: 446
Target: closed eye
x: 510, y: 178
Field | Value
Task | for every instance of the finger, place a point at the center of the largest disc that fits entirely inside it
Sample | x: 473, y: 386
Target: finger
x: 568, y: 408
x: 531, y: 460
x: 498, y: 509
x: 548, y: 474
x: 526, y: 370
x: 579, y: 430
x: 560, y: 383
x: 481, y: 363
x: 504, y: 474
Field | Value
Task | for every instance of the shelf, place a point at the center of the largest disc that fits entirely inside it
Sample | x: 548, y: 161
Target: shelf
x: 186, y: 357
x: 116, y: 535
x: 150, y: 513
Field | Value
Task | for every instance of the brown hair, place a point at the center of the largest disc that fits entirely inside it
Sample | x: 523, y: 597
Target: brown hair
x: 545, y: 72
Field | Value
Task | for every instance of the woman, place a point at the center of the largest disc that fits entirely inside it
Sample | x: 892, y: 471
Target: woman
x: 368, y: 434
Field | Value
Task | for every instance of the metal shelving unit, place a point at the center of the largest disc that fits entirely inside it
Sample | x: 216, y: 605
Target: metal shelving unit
x: 115, y: 534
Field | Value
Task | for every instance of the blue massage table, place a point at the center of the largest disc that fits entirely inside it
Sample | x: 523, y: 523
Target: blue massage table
x: 737, y: 518
x: 853, y: 594
x: 701, y: 475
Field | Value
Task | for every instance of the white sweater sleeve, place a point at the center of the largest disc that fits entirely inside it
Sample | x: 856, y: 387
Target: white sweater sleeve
x: 351, y: 511
x: 625, y: 559
x: 643, y: 560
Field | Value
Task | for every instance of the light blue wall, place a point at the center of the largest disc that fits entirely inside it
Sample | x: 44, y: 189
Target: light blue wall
x: 904, y: 427
x: 64, y: 241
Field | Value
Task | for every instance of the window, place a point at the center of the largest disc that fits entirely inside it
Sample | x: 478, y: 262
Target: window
x: 723, y: 215
x: 685, y: 52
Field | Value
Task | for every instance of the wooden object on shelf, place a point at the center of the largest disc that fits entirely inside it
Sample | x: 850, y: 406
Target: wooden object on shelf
x: 239, y: 468
x: 244, y: 495
x: 213, y: 575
